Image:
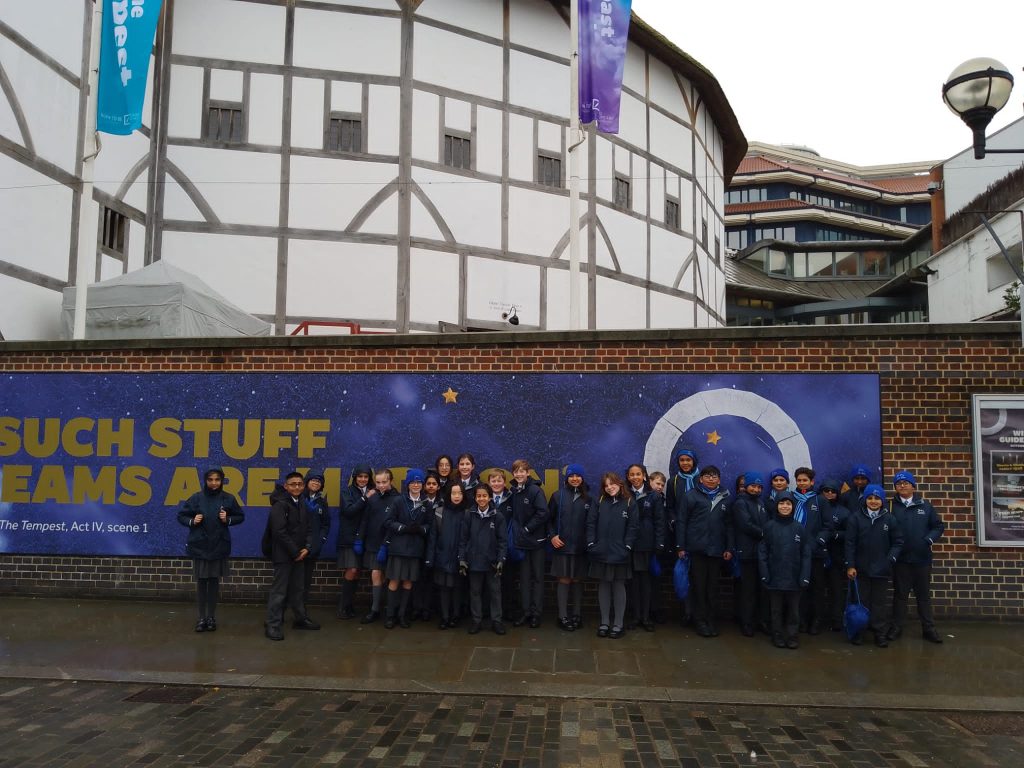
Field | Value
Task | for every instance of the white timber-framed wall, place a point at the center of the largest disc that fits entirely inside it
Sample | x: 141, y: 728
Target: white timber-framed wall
x: 384, y: 232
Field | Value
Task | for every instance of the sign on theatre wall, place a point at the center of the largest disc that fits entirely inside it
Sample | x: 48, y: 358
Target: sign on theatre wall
x: 99, y: 463
x: 999, y: 469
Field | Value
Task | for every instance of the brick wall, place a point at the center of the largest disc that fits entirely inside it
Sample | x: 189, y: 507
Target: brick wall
x: 927, y: 375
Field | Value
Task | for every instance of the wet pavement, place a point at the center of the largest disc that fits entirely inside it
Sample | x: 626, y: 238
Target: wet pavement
x: 128, y: 683
x: 980, y: 666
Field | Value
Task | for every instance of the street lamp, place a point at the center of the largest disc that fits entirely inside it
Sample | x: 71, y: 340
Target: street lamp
x: 975, y: 91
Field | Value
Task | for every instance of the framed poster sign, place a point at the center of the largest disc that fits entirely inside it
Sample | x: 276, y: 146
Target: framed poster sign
x: 999, y: 469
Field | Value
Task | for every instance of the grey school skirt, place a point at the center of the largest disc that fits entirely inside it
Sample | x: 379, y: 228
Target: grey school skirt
x: 568, y: 566
x: 401, y: 568
x: 606, y: 572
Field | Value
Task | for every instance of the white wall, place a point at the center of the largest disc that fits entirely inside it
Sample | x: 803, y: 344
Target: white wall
x: 959, y: 291
x: 351, y: 54
x: 964, y: 178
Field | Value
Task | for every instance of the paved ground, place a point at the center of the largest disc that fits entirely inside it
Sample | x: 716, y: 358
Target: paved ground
x: 67, y: 723
x: 107, y: 683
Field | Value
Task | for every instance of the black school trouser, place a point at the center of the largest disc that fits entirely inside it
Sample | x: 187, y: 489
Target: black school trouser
x: 476, y: 589
x: 286, y: 588
x: 785, y: 612
x: 753, y: 600
x: 918, y: 578
x: 814, y: 599
x: 531, y: 582
x: 874, y: 594
x: 705, y: 571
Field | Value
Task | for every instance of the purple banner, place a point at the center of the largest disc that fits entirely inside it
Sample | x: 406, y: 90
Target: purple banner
x: 604, y: 29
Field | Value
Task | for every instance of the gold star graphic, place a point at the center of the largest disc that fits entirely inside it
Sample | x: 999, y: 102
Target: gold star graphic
x: 714, y: 437
x: 451, y: 396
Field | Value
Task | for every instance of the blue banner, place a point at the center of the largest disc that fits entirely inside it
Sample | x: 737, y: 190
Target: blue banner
x: 99, y: 464
x: 125, y: 46
x: 604, y: 30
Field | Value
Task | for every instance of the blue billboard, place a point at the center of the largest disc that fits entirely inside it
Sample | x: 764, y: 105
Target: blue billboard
x: 98, y: 464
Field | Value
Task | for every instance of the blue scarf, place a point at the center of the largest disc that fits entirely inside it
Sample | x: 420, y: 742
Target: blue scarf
x: 689, y: 480
x: 800, y: 513
x: 709, y: 492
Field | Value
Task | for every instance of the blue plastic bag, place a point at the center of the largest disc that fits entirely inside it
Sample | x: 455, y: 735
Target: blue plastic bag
x: 681, y: 577
x: 856, y: 617
x: 655, y: 566
x: 357, y: 547
x: 382, y: 554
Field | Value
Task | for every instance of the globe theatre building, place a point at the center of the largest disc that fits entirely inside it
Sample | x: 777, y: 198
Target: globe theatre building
x: 399, y: 165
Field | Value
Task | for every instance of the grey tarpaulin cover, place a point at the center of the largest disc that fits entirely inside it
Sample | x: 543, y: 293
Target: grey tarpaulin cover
x: 158, y: 302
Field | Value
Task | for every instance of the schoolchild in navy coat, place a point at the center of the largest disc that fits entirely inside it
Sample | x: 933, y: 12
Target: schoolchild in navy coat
x: 612, y: 530
x: 406, y: 524
x: 350, y: 517
x: 650, y: 542
x: 836, y: 515
x: 873, y: 544
x: 530, y: 529
x: 372, y: 536
x: 749, y: 517
x: 444, y: 539
x: 784, y: 563
x: 482, y: 557
x: 704, y: 532
x: 921, y: 527
x: 569, y: 507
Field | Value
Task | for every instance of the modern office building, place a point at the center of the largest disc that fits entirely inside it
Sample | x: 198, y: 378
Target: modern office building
x: 390, y: 164
x: 814, y: 240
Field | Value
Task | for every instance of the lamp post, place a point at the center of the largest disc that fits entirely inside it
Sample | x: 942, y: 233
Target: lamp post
x: 975, y: 91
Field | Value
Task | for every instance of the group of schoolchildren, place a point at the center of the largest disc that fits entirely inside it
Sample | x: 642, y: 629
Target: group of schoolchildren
x: 453, y: 534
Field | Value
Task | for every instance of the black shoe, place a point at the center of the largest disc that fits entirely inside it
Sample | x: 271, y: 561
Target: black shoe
x: 534, y: 622
x: 389, y: 622
x: 602, y: 631
x: 778, y: 642
x: 211, y: 624
x: 567, y: 624
x: 347, y: 613
x: 714, y: 630
x: 369, y: 618
x: 647, y: 625
x: 857, y: 640
x: 306, y: 623
x: 616, y: 633
x: 632, y: 624
x: 792, y: 643
x: 881, y: 642
x: 520, y: 620
x: 932, y: 636
x: 704, y: 630
x: 201, y: 625
x: 747, y: 630
x: 815, y: 628
x: 894, y: 633
x: 403, y: 622
x: 577, y: 621
x: 443, y: 624
x: 474, y: 627
x: 498, y: 627
x: 273, y: 633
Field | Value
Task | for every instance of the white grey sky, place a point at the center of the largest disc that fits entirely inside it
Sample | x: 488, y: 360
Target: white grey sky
x: 859, y: 82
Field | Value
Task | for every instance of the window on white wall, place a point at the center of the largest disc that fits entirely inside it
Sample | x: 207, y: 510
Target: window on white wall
x: 998, y: 271
x: 344, y: 133
x: 622, y: 193
x: 114, y: 234
x: 672, y: 213
x: 458, y: 151
x: 225, y: 122
x: 549, y: 170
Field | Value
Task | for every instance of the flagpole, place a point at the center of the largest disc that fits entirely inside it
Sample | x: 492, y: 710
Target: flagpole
x: 85, y: 253
x: 574, y: 165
